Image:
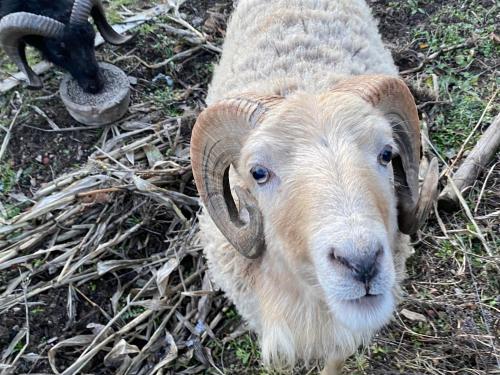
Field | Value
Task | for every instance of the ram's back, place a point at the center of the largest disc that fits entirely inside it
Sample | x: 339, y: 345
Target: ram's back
x: 279, y: 46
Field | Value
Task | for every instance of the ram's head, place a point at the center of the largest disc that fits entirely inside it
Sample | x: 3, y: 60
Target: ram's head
x: 323, y: 184
x: 69, y: 46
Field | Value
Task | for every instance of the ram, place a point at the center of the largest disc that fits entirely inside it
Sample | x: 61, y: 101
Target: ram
x: 60, y: 30
x: 307, y: 163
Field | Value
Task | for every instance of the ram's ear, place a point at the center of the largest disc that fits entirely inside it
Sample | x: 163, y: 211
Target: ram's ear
x: 218, y: 137
x: 393, y: 99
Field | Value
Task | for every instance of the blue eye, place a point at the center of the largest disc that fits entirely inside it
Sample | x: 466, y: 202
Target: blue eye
x: 260, y: 174
x: 385, y: 155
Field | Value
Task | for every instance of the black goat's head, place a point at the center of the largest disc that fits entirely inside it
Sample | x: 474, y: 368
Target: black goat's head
x: 69, y: 46
x: 74, y: 52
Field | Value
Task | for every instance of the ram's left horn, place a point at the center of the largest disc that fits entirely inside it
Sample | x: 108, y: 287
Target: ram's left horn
x: 14, y: 26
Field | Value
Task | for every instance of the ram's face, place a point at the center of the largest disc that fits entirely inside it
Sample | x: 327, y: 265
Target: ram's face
x: 320, y: 169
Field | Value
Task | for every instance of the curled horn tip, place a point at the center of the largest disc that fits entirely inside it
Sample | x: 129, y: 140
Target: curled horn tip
x: 428, y: 191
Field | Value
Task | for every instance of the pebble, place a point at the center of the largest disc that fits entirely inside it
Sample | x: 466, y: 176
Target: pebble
x: 132, y: 80
x: 163, y: 79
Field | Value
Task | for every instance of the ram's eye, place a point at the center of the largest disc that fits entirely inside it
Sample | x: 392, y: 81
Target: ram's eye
x: 260, y: 174
x: 385, y: 155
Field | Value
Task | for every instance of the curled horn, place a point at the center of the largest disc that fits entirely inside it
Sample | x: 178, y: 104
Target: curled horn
x: 218, y: 136
x: 14, y: 26
x: 81, y: 11
x: 393, y: 98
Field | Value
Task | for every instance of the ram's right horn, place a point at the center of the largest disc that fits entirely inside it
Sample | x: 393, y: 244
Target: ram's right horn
x: 81, y: 11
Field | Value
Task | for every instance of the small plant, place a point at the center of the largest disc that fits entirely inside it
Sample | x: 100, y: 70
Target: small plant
x: 92, y: 286
x: 133, y: 312
x: 446, y: 250
x: 115, y: 6
x: 246, y: 349
x: 18, y: 347
x: 38, y: 263
x: 7, y: 178
x: 360, y: 361
x: 37, y: 310
x: 165, y: 98
x: 415, y: 7
x: 133, y: 220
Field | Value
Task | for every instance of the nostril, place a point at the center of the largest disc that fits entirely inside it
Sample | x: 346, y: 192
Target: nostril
x: 332, y: 254
x: 335, y: 258
x: 363, y: 268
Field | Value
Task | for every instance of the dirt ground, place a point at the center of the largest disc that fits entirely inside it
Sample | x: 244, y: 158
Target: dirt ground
x: 449, y: 321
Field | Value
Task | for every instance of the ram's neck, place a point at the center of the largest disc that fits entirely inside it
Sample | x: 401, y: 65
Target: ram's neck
x: 274, y: 47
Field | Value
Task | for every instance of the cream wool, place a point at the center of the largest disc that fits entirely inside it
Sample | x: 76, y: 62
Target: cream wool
x: 301, y: 49
x: 281, y: 46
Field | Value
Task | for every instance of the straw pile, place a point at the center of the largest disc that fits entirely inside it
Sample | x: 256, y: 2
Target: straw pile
x: 125, y: 213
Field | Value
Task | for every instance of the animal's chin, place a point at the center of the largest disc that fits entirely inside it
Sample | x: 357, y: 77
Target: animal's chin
x: 368, y: 302
x: 368, y: 313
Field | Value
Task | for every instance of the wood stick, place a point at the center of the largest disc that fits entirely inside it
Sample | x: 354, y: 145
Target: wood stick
x: 482, y: 153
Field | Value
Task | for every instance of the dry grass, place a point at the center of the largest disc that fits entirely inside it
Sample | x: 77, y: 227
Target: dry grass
x: 100, y: 270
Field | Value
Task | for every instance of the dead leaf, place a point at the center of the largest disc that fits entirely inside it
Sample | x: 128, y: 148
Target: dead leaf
x: 119, y: 353
x: 411, y: 315
x: 81, y: 340
x: 169, y: 357
x: 163, y: 274
x: 495, y: 38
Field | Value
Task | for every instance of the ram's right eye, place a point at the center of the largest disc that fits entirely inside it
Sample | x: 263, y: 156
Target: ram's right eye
x: 260, y: 174
x: 385, y: 155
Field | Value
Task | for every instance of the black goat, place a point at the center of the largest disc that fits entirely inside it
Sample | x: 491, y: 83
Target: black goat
x: 60, y: 30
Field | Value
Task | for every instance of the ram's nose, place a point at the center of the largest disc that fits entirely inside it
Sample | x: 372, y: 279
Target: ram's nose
x: 363, y: 264
x: 92, y: 86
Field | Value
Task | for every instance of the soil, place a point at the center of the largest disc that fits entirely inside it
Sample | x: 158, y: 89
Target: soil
x: 48, y: 318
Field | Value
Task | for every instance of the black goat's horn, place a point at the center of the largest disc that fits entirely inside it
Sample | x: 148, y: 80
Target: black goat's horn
x: 81, y: 11
x: 14, y: 26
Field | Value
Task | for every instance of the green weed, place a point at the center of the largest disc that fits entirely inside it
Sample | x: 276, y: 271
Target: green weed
x: 246, y: 349
x: 7, y: 178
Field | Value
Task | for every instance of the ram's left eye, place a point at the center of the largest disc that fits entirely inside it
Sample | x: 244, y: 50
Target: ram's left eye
x: 385, y: 155
x: 260, y: 174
